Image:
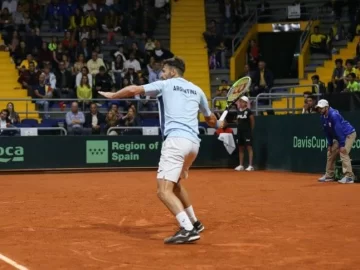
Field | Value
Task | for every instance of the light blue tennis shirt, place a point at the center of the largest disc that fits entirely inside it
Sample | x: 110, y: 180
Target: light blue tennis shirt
x: 179, y: 102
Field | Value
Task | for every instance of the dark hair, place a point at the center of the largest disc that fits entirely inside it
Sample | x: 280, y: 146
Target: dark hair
x: 352, y: 74
x: 315, y: 77
x: 102, y: 68
x: 339, y: 60
x: 176, y: 63
x: 311, y: 96
x: 349, y: 61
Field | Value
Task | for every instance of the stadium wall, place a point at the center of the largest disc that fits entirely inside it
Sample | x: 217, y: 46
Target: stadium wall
x: 290, y: 143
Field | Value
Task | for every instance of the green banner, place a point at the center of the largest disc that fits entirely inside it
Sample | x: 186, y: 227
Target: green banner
x: 291, y: 143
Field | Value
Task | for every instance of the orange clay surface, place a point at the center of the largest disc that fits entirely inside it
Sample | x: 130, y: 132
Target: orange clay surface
x: 253, y: 220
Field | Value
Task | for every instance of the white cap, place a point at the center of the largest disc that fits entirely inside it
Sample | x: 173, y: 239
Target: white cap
x: 245, y: 98
x: 322, y: 103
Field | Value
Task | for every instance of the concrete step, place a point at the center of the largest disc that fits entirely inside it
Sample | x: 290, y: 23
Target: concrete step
x: 319, y: 56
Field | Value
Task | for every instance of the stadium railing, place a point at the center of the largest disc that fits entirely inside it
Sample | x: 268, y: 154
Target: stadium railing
x: 32, y: 130
x: 204, y: 130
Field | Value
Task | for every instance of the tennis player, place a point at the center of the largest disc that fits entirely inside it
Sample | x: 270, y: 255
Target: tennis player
x: 340, y: 136
x: 245, y: 125
x: 179, y: 102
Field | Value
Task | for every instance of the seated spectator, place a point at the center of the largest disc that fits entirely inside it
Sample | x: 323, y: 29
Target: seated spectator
x: 91, y: 21
x: 58, y: 54
x: 352, y: 85
x: 42, y: 92
x: 94, y: 41
x: 6, y: 20
x: 115, y: 108
x: 55, y: 16
x: 45, y: 56
x: 94, y: 119
x: 318, y: 42
x: 84, y: 34
x: 224, y: 86
x: 132, y: 63
x: 263, y: 11
x: 50, y: 78
x: 120, y: 52
x: 12, y: 42
x: 84, y: 72
x: 263, y: 80
x: 69, y: 43
x: 67, y: 64
x: 161, y: 53
x: 77, y: 20
x: 309, y: 105
x: 64, y: 83
x: 75, y: 120
x: 52, y: 46
x: 118, y: 70
x: 132, y: 76
x: 94, y: 64
x: 349, y: 68
x: 337, y: 31
x: 111, y: 121
x: 20, y: 53
x: 13, y: 115
x: 212, y: 36
x: 84, y: 50
x: 221, y: 104
x: 221, y: 55
x: 111, y: 25
x: 149, y: 45
x: 79, y: 64
x: 5, y: 123
x: 357, y: 70
x: 316, y: 80
x: 68, y: 9
x: 26, y: 63
x: 155, y: 71
x: 224, y: 129
x: 139, y: 55
x: 34, y: 40
x: 248, y: 72
x: 29, y: 78
x: 337, y: 81
x: 84, y: 91
x: 130, y: 120
x: 103, y: 82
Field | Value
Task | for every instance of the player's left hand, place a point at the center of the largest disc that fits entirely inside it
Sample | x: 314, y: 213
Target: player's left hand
x: 343, y: 150
x: 107, y: 94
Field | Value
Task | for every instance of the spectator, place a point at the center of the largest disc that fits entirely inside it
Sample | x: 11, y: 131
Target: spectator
x: 253, y: 54
x: 309, y: 105
x: 84, y: 50
x: 263, y: 80
x: 318, y: 42
x: 138, y: 54
x: 77, y: 21
x: 103, y: 82
x: 221, y: 54
x: 337, y: 83
x: 67, y: 63
x: 118, y: 69
x: 212, y: 36
x: 20, y: 53
x: 64, y: 83
x: 94, y: 64
x: 79, y: 64
x: 130, y: 120
x: 53, y: 44
x: 337, y: 31
x: 91, y: 21
x: 221, y: 104
x: 132, y: 63
x: 13, y: 115
x: 68, y: 9
x: 58, y: 54
x: 349, y: 68
x: 5, y: 123
x: 160, y: 53
x: 213, y: 63
x: 41, y: 92
x: 132, y: 76
x: 162, y: 6
x: 26, y: 63
x: 111, y: 26
x: 18, y: 19
x: 248, y: 72
x: 85, y: 33
x: 352, y: 85
x: 45, y: 56
x: 120, y: 52
x: 149, y: 45
x: 357, y: 70
x: 111, y: 121
x: 90, y: 5
x: 55, y: 16
x: 50, y: 78
x: 321, y: 86
x: 155, y: 72
x: 29, y: 78
x: 94, y: 119
x: 75, y: 120
x: 69, y: 43
x: 84, y: 91
x: 224, y: 86
x: 34, y: 40
x: 263, y: 10
x: 10, y: 5
x: 6, y: 20
x: 84, y: 72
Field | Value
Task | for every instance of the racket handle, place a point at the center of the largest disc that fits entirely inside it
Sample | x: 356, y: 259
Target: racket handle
x: 223, y: 116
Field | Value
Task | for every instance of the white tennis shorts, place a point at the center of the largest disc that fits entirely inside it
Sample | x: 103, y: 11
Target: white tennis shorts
x: 177, y: 156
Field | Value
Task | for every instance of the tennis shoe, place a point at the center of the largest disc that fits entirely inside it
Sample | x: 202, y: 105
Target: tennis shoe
x: 346, y: 180
x: 326, y: 178
x: 199, y: 226
x: 249, y: 169
x: 239, y: 168
x: 183, y: 237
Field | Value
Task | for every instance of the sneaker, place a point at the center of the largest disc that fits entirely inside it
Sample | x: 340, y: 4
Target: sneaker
x: 239, y: 168
x: 199, y: 226
x: 326, y: 178
x: 346, y: 180
x: 183, y: 236
x: 249, y: 169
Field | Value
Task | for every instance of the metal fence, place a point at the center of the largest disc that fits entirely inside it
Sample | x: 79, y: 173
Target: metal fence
x: 29, y: 131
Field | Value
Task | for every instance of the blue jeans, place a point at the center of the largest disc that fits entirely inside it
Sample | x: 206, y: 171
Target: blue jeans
x: 45, y: 105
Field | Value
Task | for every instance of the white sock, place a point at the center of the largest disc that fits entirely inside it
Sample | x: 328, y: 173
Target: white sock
x: 190, y: 212
x: 184, y: 221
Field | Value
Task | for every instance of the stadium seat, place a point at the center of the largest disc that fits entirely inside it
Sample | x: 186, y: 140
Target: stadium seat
x: 23, y: 125
x: 150, y: 122
x: 31, y: 122
x: 50, y: 122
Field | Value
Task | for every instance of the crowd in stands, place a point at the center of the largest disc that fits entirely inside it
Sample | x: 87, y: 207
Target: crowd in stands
x: 74, y: 67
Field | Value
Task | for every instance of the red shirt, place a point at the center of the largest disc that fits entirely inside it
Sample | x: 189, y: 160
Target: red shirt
x: 224, y: 130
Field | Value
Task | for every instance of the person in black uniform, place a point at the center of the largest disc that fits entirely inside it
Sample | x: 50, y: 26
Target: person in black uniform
x: 245, y: 125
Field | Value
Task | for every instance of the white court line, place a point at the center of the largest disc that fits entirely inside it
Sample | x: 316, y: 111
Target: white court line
x: 12, y: 263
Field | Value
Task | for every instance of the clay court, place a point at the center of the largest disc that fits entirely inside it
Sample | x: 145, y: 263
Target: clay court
x: 256, y: 220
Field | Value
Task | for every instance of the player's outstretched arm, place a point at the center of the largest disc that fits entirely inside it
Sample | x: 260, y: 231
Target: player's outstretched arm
x: 212, y: 121
x: 128, y: 91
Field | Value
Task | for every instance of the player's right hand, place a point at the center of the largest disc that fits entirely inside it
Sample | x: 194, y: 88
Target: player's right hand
x: 329, y: 149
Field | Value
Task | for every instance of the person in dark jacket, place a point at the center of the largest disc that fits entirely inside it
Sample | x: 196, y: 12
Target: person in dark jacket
x: 340, y: 135
x: 64, y: 83
x: 263, y: 80
x: 103, y: 82
x: 94, y: 120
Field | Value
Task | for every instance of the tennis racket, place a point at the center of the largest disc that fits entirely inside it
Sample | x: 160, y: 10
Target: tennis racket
x: 238, y: 89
